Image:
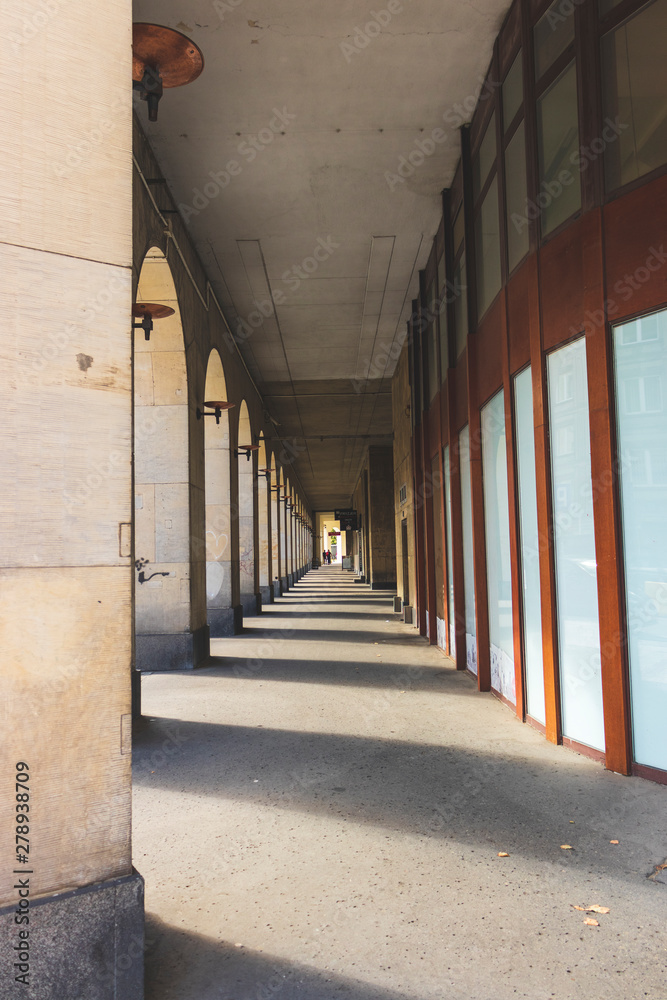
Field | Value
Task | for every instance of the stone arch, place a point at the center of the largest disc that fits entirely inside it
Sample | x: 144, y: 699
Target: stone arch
x: 280, y: 506
x: 217, y: 478
x: 161, y: 480
x: 263, y: 520
x: 275, y: 528
x: 289, y: 540
x: 246, y: 512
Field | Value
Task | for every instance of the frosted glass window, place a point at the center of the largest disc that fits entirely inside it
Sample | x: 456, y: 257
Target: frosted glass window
x: 497, y: 533
x: 468, y: 551
x: 450, y: 557
x: 529, y: 546
x: 487, y: 249
x: 574, y: 548
x: 634, y: 90
x: 438, y: 546
x: 557, y: 143
x: 642, y: 447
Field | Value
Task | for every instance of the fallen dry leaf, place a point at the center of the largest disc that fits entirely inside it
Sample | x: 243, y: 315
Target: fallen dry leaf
x: 613, y: 841
x: 594, y: 908
x: 582, y: 908
x: 503, y: 854
x: 591, y: 923
x: 566, y: 847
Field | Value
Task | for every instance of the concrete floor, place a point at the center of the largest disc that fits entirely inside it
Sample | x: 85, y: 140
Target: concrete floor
x: 318, y: 815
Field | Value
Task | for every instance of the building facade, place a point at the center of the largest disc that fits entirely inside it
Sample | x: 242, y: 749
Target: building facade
x: 537, y: 354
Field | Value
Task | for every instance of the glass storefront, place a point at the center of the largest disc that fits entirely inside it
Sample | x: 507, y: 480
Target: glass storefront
x: 641, y: 383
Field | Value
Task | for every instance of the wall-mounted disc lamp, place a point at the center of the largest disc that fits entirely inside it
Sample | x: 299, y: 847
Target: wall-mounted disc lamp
x: 162, y: 57
x: 286, y: 498
x: 265, y: 472
x: 246, y: 449
x: 216, y: 406
x: 148, y: 311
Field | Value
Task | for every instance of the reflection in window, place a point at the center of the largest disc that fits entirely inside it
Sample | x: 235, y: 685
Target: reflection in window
x: 516, y: 192
x: 529, y: 541
x: 450, y: 558
x: 642, y: 394
x: 638, y: 330
x: 438, y: 552
x: 497, y: 534
x: 558, y: 140
x: 574, y: 552
x: 487, y: 250
x: 468, y: 551
x: 642, y: 452
x: 565, y: 387
x: 485, y: 158
x: 634, y: 88
x: 564, y: 440
x: 512, y: 91
x: 552, y: 34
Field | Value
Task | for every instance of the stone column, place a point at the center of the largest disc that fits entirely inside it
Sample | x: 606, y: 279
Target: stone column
x: 381, y: 528
x: 65, y: 550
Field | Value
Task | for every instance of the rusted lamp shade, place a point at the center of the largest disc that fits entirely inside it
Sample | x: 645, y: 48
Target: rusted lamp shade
x: 246, y: 449
x: 162, y: 57
x: 148, y: 311
x: 217, y: 405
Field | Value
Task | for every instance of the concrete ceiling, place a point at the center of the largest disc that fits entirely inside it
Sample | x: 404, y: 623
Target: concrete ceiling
x: 283, y: 157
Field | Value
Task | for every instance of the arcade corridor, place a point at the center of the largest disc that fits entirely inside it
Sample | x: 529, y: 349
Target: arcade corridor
x: 319, y: 815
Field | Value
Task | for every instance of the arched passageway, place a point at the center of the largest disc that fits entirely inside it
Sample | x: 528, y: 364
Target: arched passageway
x: 218, y: 500
x: 264, y: 522
x: 246, y: 464
x: 275, y: 528
x: 161, y: 480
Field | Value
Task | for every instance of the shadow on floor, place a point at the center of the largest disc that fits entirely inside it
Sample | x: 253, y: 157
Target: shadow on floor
x: 347, y: 673
x: 182, y: 965
x: 511, y: 796
x: 306, y: 612
x: 294, y: 633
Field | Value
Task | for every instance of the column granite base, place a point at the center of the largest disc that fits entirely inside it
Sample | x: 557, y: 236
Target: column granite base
x: 221, y: 622
x: 172, y: 651
x: 85, y: 944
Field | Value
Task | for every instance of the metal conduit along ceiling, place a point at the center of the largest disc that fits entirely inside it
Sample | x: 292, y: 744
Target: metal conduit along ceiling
x: 307, y: 162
